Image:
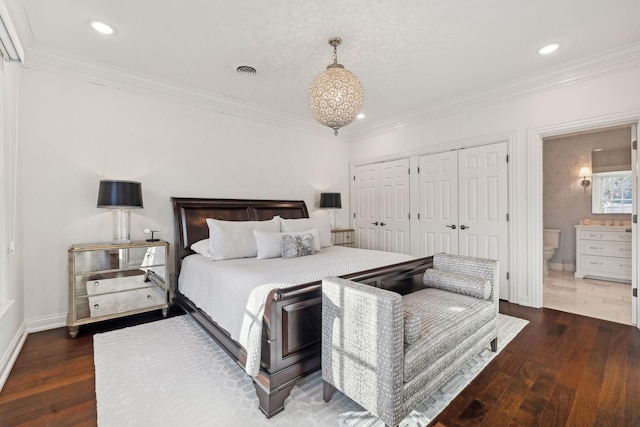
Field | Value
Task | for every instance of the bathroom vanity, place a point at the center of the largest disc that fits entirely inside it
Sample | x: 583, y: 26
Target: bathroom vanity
x: 604, y: 252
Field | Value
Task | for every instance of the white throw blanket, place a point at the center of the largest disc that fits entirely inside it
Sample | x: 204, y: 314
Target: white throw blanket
x: 234, y: 292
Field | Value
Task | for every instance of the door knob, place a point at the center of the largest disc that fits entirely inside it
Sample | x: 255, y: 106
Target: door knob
x: 374, y: 223
x: 382, y: 224
x: 453, y: 226
x: 464, y: 227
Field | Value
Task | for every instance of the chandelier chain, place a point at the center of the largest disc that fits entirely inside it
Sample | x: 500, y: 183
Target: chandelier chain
x: 335, y: 54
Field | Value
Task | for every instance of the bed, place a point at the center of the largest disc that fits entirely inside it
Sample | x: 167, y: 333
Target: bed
x: 290, y: 317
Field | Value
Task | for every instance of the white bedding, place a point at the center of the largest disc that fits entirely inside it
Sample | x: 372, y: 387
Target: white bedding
x: 233, y: 292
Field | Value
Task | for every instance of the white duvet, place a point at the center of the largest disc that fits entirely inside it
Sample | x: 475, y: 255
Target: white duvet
x: 234, y: 292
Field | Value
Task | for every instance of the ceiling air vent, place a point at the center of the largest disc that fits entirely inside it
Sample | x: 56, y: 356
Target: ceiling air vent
x: 246, y: 69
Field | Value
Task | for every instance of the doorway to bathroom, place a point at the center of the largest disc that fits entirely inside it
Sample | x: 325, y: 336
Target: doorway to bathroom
x: 588, y: 195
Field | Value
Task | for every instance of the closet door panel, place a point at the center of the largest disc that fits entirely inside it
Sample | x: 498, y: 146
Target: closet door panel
x: 438, y: 190
x: 366, y: 210
x: 394, y: 218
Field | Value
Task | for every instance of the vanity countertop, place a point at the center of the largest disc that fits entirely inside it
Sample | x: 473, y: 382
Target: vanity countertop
x: 599, y: 227
x: 606, y: 226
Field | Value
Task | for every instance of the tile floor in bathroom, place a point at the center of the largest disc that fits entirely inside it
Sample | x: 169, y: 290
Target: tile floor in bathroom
x: 588, y: 297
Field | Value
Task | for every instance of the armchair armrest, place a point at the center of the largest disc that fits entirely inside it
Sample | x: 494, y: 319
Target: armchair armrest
x: 362, y: 343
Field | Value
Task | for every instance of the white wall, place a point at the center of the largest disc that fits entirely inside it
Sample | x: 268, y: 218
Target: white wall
x: 74, y: 133
x: 521, y: 119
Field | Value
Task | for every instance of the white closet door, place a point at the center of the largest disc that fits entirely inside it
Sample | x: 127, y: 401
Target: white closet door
x: 382, y: 206
x: 394, y: 206
x: 367, y: 207
x: 463, y: 205
x: 482, y: 174
x: 482, y: 187
x: 438, y: 229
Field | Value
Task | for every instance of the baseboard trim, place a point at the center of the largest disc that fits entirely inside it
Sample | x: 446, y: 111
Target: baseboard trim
x: 9, y: 358
x: 47, y: 322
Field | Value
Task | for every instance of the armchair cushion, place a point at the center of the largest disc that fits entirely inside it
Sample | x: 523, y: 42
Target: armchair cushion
x: 447, y: 319
x: 474, y: 286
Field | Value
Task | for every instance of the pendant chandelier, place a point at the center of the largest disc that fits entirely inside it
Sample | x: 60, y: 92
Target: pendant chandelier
x: 335, y: 96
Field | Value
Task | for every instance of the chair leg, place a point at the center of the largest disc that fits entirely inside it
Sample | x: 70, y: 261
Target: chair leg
x: 494, y: 345
x: 327, y: 391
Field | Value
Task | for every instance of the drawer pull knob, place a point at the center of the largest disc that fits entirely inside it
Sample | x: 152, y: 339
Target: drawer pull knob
x: 96, y: 283
x: 96, y: 305
x: 148, y: 296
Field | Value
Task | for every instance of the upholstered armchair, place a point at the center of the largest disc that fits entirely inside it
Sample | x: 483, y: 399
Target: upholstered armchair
x: 389, y: 352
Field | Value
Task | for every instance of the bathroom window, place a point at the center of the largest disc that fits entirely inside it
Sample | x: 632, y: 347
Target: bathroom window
x: 612, y: 192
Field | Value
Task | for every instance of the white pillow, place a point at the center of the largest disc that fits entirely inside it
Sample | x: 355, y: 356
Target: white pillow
x: 234, y: 239
x: 322, y: 224
x: 202, y: 247
x: 268, y: 243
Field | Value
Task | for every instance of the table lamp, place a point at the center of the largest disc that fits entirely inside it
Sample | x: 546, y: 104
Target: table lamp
x: 331, y: 201
x: 121, y: 196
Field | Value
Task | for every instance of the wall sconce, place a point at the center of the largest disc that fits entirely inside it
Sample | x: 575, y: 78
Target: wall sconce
x: 585, y: 173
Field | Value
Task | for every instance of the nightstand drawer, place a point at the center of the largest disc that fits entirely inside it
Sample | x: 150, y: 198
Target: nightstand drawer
x: 343, y: 237
x: 117, y: 284
x: 121, y: 302
x: 119, y: 259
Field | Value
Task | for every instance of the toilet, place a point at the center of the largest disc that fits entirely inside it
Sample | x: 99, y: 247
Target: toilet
x: 551, y: 244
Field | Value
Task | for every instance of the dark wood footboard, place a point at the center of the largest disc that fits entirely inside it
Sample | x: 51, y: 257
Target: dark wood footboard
x: 292, y: 332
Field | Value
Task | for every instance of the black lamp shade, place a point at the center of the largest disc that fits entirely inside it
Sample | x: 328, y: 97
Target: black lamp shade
x: 330, y: 200
x: 120, y: 194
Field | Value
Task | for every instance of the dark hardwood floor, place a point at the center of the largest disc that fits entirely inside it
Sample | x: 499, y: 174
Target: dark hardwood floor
x: 561, y: 370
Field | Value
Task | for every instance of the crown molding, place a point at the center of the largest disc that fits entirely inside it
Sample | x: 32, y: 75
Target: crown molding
x: 106, y: 75
x: 616, y: 60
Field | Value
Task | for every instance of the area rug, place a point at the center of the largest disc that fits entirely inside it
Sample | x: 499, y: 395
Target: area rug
x: 171, y: 373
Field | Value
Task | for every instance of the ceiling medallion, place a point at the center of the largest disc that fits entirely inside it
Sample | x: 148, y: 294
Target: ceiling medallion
x: 336, y: 95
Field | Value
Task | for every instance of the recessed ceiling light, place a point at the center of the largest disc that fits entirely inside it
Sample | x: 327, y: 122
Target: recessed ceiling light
x: 361, y: 115
x: 545, y: 50
x: 102, y: 27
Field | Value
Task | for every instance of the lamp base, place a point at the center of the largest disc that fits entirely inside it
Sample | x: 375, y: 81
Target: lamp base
x: 332, y: 218
x: 121, y: 222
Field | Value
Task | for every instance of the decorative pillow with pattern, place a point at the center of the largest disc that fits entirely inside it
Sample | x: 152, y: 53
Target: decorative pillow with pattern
x: 268, y: 243
x: 301, y: 224
x: 296, y: 245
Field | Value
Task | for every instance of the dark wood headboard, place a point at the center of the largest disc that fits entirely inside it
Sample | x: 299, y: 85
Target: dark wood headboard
x: 190, y: 217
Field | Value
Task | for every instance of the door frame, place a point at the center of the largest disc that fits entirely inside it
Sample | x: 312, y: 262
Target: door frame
x: 535, y: 221
x: 510, y: 137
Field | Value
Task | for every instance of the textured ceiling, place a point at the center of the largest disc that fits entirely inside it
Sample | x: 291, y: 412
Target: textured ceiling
x: 408, y: 54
